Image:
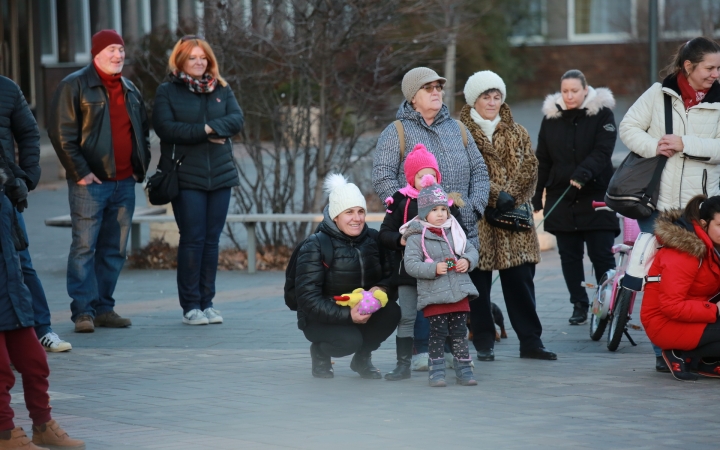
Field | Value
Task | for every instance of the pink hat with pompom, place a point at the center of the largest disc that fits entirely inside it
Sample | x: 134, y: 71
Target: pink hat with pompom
x: 418, y: 159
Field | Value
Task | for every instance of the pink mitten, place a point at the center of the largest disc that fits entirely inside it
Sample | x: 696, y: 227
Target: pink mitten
x: 369, y: 304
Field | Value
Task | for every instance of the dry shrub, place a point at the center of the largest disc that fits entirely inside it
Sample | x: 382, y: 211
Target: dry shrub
x: 158, y: 254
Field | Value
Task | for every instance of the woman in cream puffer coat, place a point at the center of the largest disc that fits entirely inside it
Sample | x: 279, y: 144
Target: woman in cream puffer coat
x: 695, y: 168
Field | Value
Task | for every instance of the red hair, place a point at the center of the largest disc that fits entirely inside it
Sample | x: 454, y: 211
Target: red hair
x: 181, y: 53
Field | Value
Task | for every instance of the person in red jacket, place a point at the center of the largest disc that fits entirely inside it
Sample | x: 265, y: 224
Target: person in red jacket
x: 679, y: 313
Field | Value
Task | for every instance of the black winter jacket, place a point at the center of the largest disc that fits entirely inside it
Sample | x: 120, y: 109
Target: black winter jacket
x: 390, y: 236
x: 357, y: 262
x: 576, y: 144
x: 179, y: 118
x: 80, y: 131
x: 18, y: 123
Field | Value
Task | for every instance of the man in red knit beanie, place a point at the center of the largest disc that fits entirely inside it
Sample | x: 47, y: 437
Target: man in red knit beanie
x: 100, y: 132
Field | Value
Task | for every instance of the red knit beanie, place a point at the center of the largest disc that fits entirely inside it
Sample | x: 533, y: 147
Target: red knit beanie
x: 103, y: 38
x: 418, y: 159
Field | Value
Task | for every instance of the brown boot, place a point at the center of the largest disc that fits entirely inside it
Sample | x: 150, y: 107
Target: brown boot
x: 111, y: 319
x: 17, y: 439
x: 84, y: 324
x: 51, y: 434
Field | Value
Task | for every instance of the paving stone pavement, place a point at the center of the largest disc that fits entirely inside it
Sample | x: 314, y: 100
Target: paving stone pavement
x: 246, y: 384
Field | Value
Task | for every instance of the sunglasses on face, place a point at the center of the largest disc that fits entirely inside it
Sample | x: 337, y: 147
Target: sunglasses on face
x: 429, y: 87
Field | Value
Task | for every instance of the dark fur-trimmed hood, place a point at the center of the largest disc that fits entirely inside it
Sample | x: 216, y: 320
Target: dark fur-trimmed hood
x: 597, y: 99
x: 674, y: 231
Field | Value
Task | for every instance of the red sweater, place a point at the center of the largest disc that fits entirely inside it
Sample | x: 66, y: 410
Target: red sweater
x: 120, y: 125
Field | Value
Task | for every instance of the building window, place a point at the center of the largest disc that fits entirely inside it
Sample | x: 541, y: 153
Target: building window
x: 48, y: 32
x: 105, y: 14
x: 526, y: 20
x: 595, y: 20
x: 81, y: 31
x: 678, y: 20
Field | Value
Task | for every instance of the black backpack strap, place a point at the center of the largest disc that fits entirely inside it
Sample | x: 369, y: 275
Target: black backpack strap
x: 326, y: 249
x: 655, y: 180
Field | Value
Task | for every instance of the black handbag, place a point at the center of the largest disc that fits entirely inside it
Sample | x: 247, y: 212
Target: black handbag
x: 162, y: 187
x: 635, y: 187
x: 518, y: 219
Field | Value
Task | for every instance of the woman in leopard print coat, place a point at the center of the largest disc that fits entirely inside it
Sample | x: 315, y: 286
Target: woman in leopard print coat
x: 512, y: 167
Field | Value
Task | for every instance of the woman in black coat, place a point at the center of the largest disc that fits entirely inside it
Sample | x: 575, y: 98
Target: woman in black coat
x: 575, y: 146
x: 195, y: 115
x: 358, y: 262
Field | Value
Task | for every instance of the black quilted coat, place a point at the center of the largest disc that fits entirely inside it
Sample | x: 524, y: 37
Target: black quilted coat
x: 18, y: 123
x: 179, y: 118
x: 357, y: 262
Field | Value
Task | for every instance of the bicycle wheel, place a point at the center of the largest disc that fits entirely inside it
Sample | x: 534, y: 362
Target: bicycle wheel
x: 620, y: 317
x: 597, y: 324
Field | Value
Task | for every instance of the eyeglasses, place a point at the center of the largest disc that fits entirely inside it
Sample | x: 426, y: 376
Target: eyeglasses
x: 429, y: 88
x: 190, y: 37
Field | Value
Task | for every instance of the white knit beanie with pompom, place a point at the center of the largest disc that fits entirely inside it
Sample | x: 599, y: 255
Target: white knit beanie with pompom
x: 480, y: 82
x: 343, y: 195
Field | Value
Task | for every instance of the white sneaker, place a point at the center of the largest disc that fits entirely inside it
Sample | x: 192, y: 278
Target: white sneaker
x: 213, y: 315
x: 52, y: 343
x: 420, y: 362
x: 195, y: 317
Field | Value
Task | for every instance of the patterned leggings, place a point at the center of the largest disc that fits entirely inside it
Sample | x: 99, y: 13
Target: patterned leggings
x: 454, y: 325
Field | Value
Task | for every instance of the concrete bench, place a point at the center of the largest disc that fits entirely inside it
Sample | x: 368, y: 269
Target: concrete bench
x: 156, y: 215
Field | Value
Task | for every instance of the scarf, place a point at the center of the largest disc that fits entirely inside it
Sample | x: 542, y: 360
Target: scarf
x: 487, y: 126
x: 456, y: 231
x: 409, y: 191
x: 203, y: 86
x: 689, y: 95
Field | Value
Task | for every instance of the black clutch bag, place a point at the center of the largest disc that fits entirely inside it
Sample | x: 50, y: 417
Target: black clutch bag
x: 518, y: 219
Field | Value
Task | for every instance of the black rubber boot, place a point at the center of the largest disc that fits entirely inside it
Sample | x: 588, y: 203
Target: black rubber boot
x: 404, y: 356
x: 362, y: 364
x: 321, y: 364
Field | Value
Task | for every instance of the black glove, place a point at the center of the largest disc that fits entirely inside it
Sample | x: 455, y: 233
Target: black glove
x: 17, y: 192
x: 505, y: 202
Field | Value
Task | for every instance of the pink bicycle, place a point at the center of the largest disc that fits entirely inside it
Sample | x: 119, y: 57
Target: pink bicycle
x: 612, y: 303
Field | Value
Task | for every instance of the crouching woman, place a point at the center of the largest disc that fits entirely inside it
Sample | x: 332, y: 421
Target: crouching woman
x: 357, y: 262
x: 679, y: 312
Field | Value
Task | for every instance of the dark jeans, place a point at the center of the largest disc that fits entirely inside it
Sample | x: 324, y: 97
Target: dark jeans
x: 101, y: 219
x: 345, y: 339
x: 709, y: 344
x: 452, y: 326
x: 571, y: 249
x: 519, y: 294
x: 200, y: 216
x: 421, y: 333
x: 39, y: 301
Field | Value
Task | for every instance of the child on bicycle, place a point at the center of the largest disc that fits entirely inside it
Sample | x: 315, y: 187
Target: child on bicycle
x: 439, y: 256
x: 402, y: 207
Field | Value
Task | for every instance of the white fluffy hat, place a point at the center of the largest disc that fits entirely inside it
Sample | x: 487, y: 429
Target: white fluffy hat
x: 343, y: 195
x: 480, y: 82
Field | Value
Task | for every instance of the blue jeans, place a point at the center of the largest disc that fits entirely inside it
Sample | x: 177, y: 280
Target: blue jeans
x: 421, y: 333
x: 39, y: 301
x: 647, y: 225
x: 200, y: 216
x: 101, y: 218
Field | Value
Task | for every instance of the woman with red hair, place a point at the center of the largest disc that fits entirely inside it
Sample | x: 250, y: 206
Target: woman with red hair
x: 195, y: 116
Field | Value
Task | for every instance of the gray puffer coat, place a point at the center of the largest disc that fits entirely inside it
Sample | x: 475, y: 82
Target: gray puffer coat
x: 463, y: 169
x: 436, y: 289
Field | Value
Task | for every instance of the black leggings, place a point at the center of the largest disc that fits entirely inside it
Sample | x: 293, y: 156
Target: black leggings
x: 453, y: 325
x: 709, y: 344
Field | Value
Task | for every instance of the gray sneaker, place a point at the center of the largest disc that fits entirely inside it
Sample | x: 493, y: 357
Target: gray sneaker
x: 213, y: 315
x: 195, y: 317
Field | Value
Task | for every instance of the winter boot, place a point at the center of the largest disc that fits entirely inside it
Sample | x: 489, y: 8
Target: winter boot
x: 464, y: 372
x: 362, y: 364
x: 436, y: 372
x: 404, y: 356
x: 321, y: 364
x: 16, y: 438
x: 53, y: 436
x: 579, y: 315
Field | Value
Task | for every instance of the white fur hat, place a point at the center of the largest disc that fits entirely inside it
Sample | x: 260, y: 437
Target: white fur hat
x: 480, y: 82
x: 343, y: 195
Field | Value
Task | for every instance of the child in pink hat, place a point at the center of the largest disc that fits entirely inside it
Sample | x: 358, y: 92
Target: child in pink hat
x: 401, y: 208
